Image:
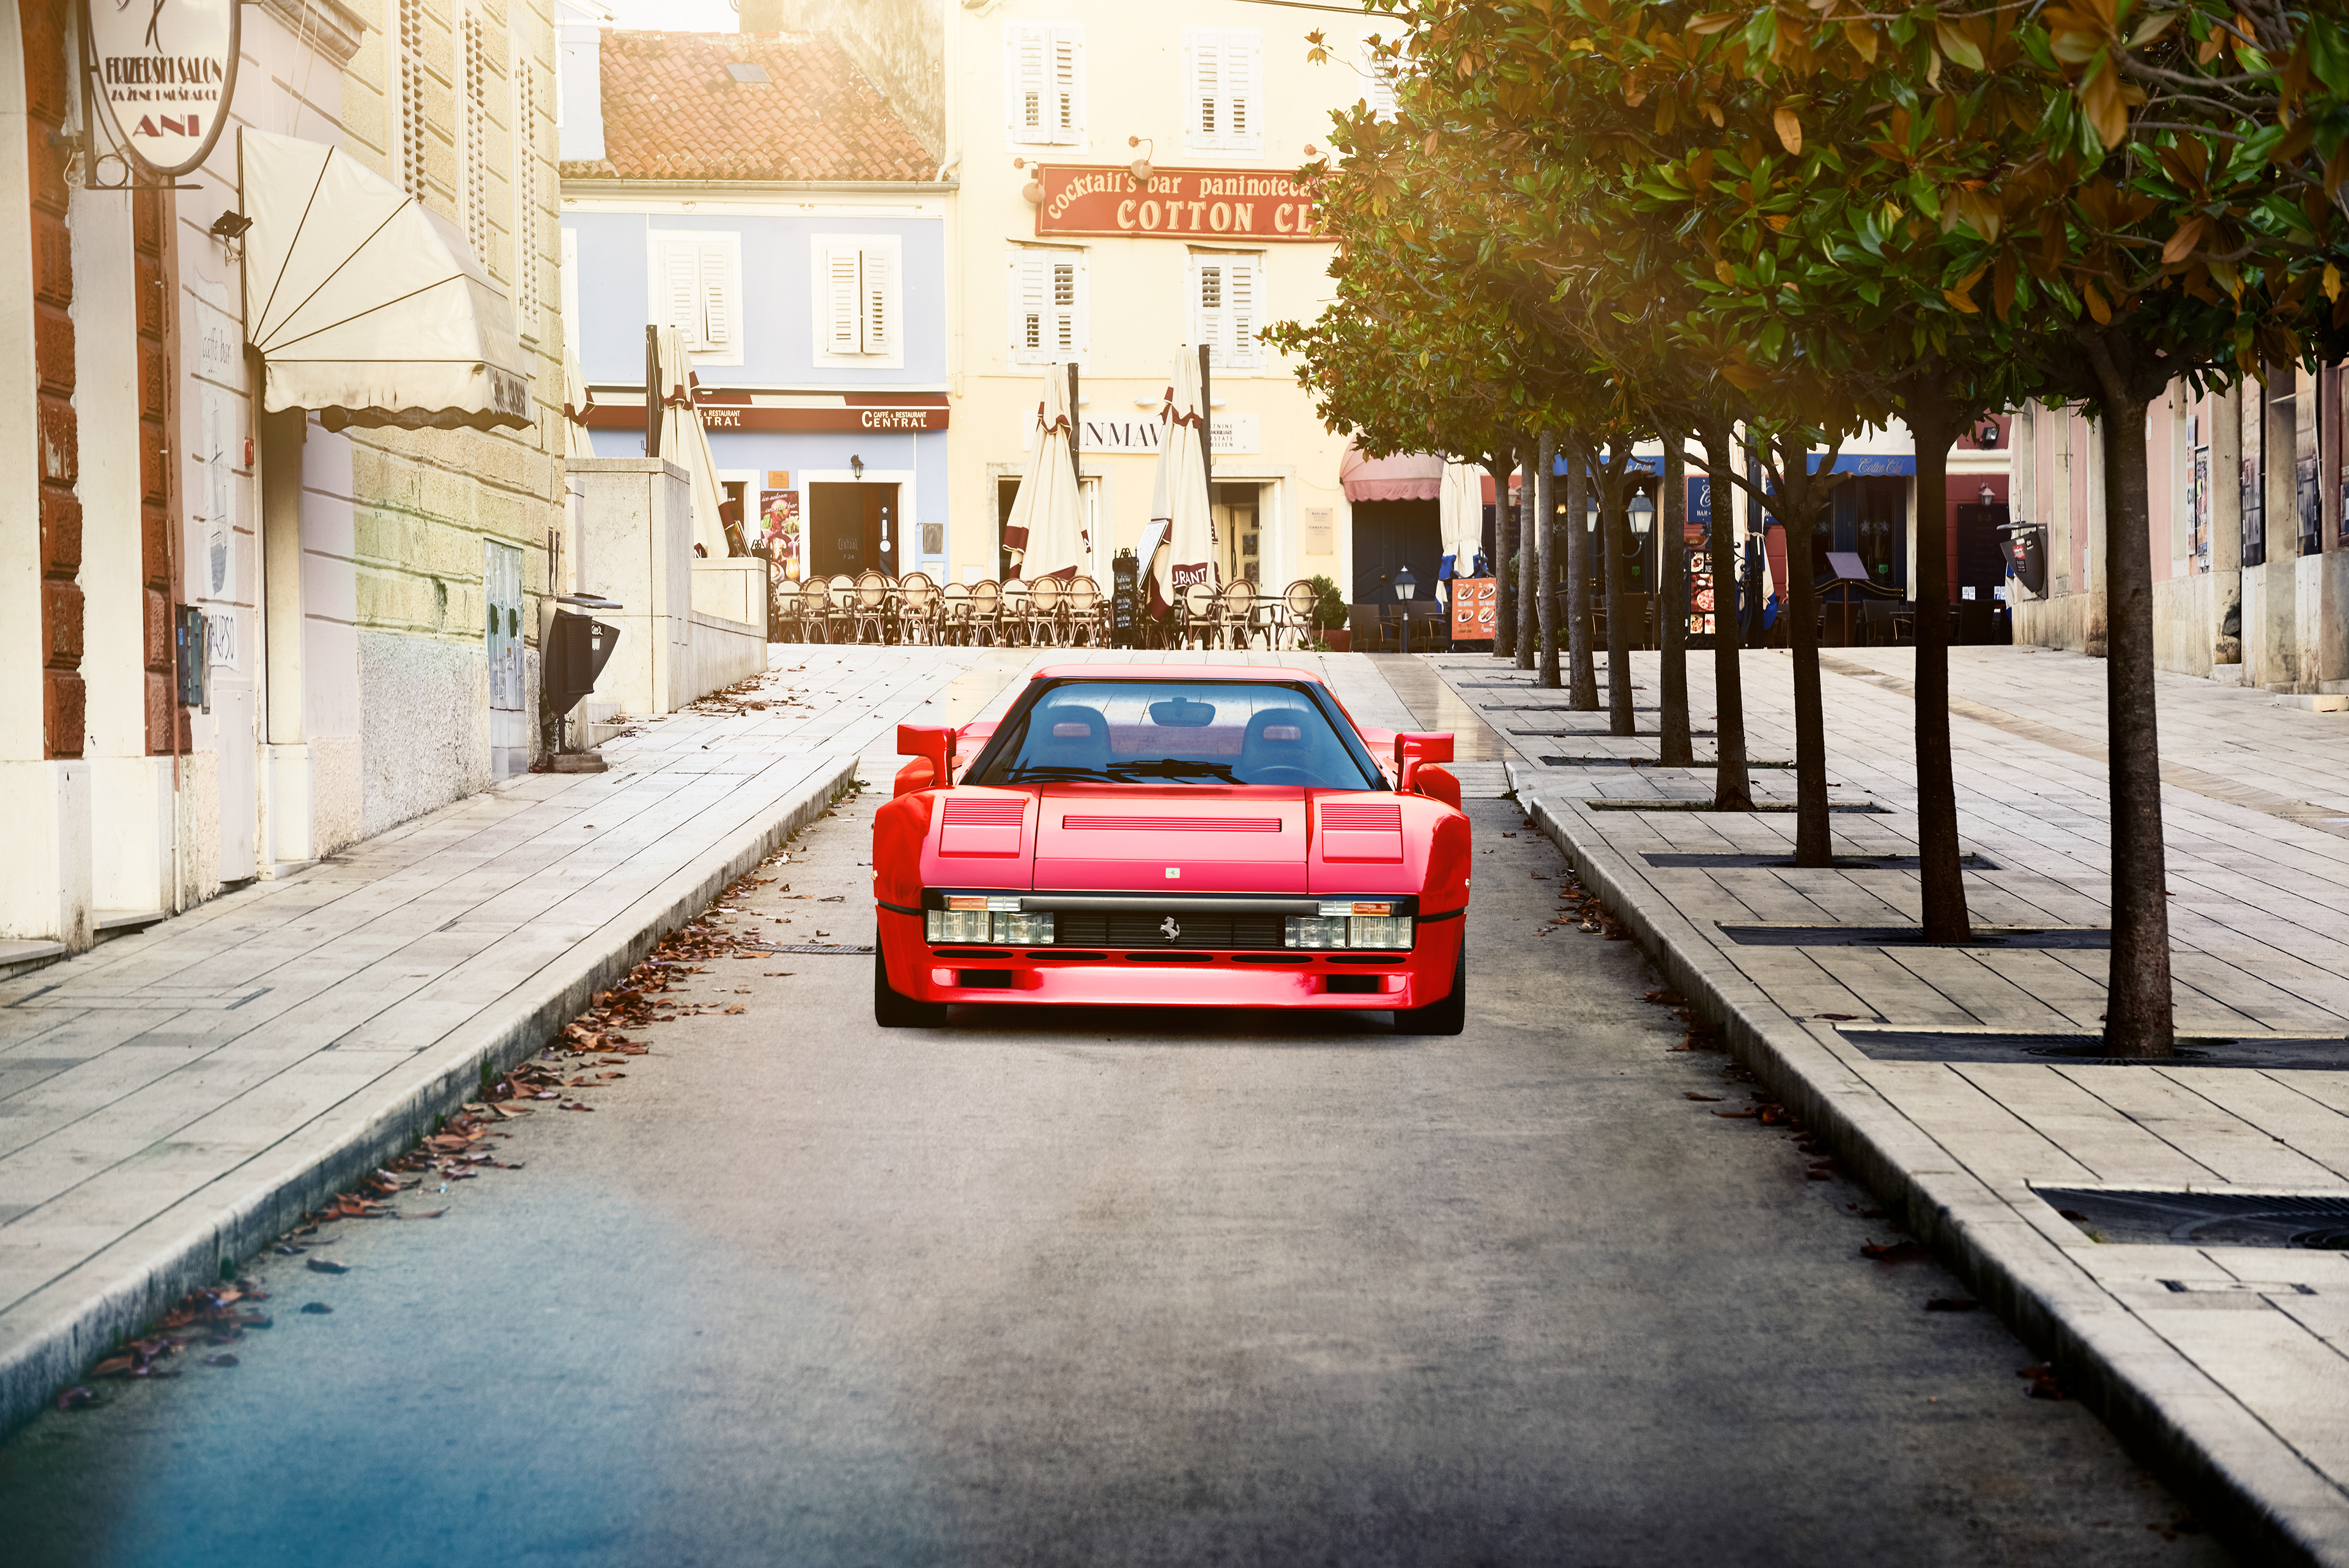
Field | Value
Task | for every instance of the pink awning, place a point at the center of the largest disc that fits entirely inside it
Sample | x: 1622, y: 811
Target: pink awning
x: 1411, y: 476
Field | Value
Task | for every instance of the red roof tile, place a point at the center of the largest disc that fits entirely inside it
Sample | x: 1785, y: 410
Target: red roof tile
x: 672, y: 111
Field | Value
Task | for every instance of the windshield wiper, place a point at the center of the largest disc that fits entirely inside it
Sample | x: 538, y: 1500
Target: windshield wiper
x: 1049, y: 771
x: 1175, y: 768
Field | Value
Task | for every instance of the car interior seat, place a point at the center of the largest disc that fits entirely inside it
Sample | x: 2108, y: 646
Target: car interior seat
x: 1066, y: 735
x: 1282, y: 738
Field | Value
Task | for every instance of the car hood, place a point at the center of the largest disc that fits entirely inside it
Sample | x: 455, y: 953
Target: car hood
x: 1192, y: 840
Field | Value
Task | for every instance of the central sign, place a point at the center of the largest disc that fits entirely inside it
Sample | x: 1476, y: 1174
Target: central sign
x: 164, y: 69
x: 1176, y: 203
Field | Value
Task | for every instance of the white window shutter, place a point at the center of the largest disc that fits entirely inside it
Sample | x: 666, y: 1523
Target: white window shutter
x: 1379, y: 77
x: 1064, y: 309
x: 1243, y: 88
x: 1207, y: 293
x: 1027, y: 113
x: 717, y: 303
x: 681, y: 288
x: 1067, y: 99
x: 1027, y: 307
x: 878, y: 301
x: 839, y: 283
x: 1243, y: 281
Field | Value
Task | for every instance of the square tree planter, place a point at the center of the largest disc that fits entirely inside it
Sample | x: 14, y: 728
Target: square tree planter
x: 1341, y: 639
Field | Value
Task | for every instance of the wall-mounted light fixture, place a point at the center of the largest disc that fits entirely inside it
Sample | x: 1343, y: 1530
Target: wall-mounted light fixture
x: 857, y: 465
x: 1139, y: 167
x: 1989, y: 496
x: 229, y: 229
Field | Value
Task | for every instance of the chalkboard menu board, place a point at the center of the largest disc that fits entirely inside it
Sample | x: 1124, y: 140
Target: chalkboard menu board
x: 1125, y: 600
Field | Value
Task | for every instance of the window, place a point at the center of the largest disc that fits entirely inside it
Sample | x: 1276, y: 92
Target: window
x: 1224, y: 68
x: 1048, y: 306
x: 411, y: 98
x: 476, y: 128
x: 1226, y: 308
x: 1043, y: 84
x: 697, y: 282
x: 1378, y: 81
x: 858, y: 300
x: 525, y: 195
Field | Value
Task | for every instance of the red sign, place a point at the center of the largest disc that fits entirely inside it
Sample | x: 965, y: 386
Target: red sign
x: 752, y: 416
x: 1473, y: 602
x: 1176, y: 203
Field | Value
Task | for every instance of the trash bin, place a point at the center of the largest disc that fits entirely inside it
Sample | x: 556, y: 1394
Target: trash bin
x: 2026, y: 555
x: 578, y: 646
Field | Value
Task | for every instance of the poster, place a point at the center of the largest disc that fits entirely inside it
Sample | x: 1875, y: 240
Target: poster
x: 779, y: 524
x: 1473, y: 602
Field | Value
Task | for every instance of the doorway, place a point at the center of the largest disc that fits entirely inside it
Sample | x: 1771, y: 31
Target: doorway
x: 1237, y: 509
x: 1390, y: 536
x: 851, y: 528
x: 1867, y: 516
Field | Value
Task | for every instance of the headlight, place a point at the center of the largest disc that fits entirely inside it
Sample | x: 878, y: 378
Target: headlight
x: 973, y: 921
x: 1332, y: 930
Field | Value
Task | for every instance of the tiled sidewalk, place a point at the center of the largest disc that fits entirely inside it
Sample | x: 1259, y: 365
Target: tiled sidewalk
x: 172, y: 1098
x: 2231, y: 1361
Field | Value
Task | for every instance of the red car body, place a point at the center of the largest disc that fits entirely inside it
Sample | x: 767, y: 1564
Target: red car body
x: 1172, y: 895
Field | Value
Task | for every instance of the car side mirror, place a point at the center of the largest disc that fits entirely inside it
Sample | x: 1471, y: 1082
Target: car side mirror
x: 927, y: 743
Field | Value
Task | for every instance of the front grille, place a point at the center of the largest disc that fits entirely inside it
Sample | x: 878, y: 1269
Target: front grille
x: 1198, y: 928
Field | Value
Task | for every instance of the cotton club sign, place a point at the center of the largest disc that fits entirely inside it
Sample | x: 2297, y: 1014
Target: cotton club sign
x: 1176, y: 203
x: 164, y: 69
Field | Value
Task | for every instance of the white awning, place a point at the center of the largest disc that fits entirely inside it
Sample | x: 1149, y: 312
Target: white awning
x: 367, y: 305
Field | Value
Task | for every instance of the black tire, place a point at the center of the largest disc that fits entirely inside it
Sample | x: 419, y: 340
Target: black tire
x: 892, y: 1009
x: 1449, y: 1016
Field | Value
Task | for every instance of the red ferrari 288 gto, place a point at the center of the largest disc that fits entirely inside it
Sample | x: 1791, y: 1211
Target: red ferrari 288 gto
x: 1172, y: 836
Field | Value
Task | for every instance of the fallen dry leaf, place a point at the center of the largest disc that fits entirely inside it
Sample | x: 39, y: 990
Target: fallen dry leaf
x: 317, y: 1308
x: 1895, y: 1251
x: 328, y: 1266
x: 1692, y: 1095
x: 223, y: 1359
x: 77, y: 1398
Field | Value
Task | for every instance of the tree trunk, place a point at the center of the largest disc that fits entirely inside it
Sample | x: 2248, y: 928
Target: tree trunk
x: 1504, y: 545
x: 1733, y: 786
x: 1671, y: 606
x: 1935, y: 424
x: 1614, y: 547
x: 1543, y: 508
x: 1528, y: 568
x: 1806, y: 497
x: 2137, y: 1014
x: 1582, y: 675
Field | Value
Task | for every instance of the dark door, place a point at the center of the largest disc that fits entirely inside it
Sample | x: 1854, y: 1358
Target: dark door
x: 1981, y: 555
x: 848, y: 524
x: 1390, y: 536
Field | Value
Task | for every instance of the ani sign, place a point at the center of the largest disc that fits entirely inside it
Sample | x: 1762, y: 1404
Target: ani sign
x: 164, y: 69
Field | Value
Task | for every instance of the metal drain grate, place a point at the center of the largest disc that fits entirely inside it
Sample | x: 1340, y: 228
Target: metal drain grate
x: 2067, y: 936
x: 2319, y: 1223
x: 2271, y: 1053
x: 843, y: 949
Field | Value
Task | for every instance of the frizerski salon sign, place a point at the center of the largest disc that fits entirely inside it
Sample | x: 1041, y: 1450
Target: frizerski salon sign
x: 1174, y: 203
x: 164, y: 69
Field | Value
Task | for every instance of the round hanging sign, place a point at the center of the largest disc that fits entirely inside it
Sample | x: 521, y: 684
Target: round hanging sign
x: 164, y: 69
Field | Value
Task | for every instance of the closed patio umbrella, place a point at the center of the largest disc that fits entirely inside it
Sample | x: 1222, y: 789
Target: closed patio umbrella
x: 1181, y: 522
x: 1046, y: 531
x: 1461, y: 515
x: 685, y: 442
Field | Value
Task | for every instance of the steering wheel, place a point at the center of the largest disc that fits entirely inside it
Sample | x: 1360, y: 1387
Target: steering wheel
x: 1303, y: 778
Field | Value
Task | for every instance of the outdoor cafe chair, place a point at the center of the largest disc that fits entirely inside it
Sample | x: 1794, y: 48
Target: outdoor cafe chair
x: 987, y: 611
x: 791, y: 612
x: 1012, y: 620
x: 1293, y: 615
x: 840, y: 609
x: 1044, y: 596
x: 1199, y: 616
x: 954, y: 613
x: 917, y: 609
x: 873, y: 606
x: 1085, y: 610
x: 1237, y: 616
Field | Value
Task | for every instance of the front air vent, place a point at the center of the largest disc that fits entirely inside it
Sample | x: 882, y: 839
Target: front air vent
x: 1104, y: 824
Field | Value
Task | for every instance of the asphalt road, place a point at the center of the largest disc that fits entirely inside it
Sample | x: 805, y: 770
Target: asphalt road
x: 1107, y: 1289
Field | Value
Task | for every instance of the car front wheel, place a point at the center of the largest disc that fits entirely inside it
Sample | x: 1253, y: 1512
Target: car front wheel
x: 892, y: 1009
x: 1449, y: 1016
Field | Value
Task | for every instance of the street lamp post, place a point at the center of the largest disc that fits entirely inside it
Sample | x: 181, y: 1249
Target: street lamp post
x: 1405, y: 585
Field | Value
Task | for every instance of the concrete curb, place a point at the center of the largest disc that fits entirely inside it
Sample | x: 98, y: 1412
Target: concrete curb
x: 2263, y: 1498
x: 60, y: 1330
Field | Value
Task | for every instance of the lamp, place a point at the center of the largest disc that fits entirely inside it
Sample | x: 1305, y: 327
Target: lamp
x: 1139, y: 167
x: 857, y: 465
x: 1405, y: 584
x: 1643, y: 512
x: 1989, y: 496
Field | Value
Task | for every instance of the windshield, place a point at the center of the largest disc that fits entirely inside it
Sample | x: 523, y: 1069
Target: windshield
x: 1169, y: 732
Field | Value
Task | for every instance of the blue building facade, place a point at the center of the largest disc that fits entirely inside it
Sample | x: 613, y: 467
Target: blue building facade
x: 811, y: 292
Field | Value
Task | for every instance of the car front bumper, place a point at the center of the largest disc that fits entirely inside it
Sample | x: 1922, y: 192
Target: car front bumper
x: 1187, y: 977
